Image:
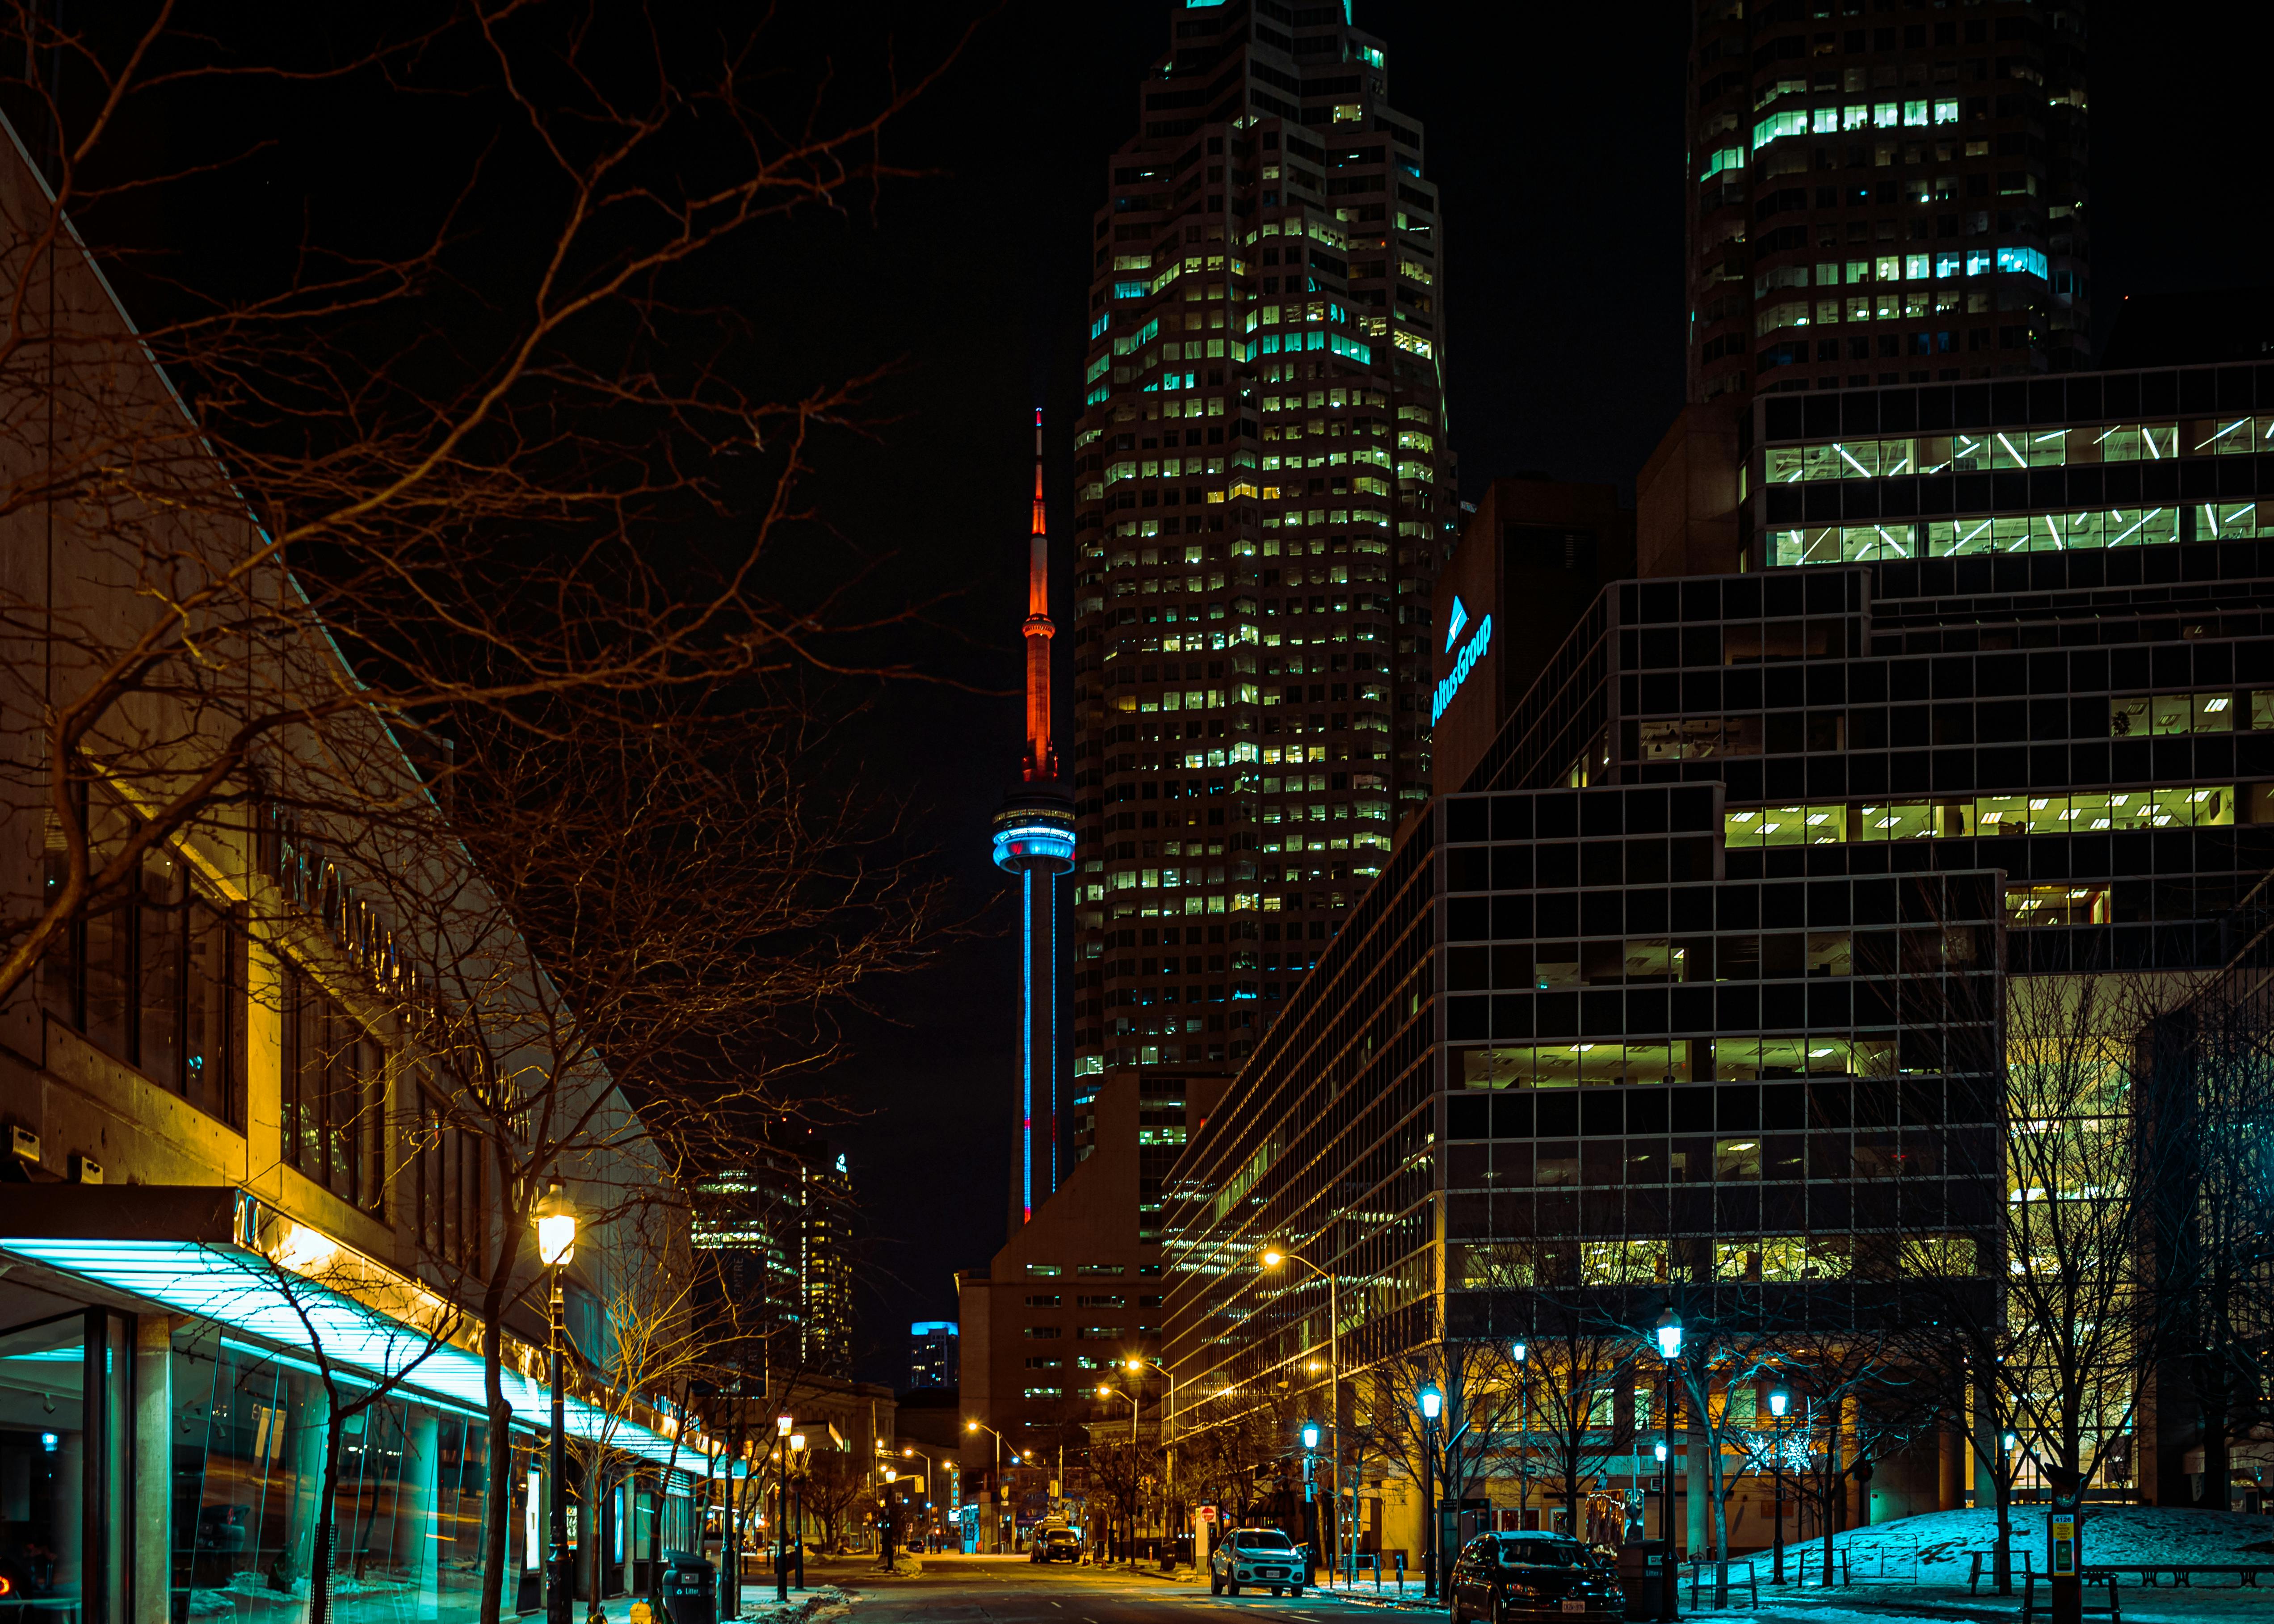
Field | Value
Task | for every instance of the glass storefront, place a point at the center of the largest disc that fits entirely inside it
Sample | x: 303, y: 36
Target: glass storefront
x: 64, y: 1472
x: 245, y: 1459
x: 248, y: 1470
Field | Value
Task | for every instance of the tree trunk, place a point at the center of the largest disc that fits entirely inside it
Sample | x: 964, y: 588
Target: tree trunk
x: 596, y: 1497
x: 1721, y: 1519
x: 2005, y: 1534
x: 1835, y: 1503
x: 319, y: 1560
x: 500, y: 1494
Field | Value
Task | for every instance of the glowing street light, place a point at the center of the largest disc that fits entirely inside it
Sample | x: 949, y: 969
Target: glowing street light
x: 556, y: 1246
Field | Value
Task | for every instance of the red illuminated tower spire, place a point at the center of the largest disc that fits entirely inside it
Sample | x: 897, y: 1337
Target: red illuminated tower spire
x: 1041, y: 756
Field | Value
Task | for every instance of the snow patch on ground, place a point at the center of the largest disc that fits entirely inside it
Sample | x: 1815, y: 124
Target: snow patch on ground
x: 1942, y: 1543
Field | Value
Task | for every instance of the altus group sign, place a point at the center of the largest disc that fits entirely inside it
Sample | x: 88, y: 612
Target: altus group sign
x: 1473, y: 651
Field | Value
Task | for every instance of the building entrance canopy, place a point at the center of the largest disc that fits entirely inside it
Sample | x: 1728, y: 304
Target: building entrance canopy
x: 216, y: 1254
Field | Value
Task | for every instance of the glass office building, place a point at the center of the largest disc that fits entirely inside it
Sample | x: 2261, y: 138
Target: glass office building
x: 1692, y: 981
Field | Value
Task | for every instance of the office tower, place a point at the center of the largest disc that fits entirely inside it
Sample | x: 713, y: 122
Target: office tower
x: 1719, y: 1019
x: 781, y: 1230
x: 1034, y: 839
x: 932, y: 1349
x: 1882, y: 196
x: 1263, y: 499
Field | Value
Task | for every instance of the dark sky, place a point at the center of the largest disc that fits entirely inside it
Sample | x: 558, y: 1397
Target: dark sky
x: 1555, y: 134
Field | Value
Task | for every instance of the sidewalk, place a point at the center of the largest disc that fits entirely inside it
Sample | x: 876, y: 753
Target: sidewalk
x: 1363, y: 1595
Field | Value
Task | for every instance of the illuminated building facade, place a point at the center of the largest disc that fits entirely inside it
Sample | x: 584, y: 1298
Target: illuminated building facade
x: 781, y: 1229
x: 1882, y: 198
x: 933, y: 1349
x: 1263, y: 500
x: 1690, y: 989
x: 1034, y: 839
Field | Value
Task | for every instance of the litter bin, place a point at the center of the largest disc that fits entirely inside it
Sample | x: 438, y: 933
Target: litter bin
x: 1642, y: 1579
x: 690, y: 1590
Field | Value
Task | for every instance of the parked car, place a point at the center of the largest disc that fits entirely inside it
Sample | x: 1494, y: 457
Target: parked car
x: 1513, y: 1578
x: 1054, y: 1545
x: 1263, y: 1556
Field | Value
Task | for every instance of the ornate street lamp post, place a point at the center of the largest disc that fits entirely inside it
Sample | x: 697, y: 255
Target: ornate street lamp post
x: 1669, y: 1349
x: 1432, y: 1404
x: 556, y: 1246
x: 1780, y: 1401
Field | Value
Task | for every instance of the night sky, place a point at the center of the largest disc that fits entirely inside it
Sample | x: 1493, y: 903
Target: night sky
x: 1555, y: 134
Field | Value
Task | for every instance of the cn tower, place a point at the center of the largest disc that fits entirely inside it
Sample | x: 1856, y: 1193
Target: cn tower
x: 1034, y: 839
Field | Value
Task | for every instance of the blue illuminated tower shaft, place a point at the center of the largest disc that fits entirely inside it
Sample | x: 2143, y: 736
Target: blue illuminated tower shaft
x: 1034, y: 839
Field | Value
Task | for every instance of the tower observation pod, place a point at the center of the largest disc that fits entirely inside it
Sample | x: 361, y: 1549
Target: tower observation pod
x: 1034, y: 840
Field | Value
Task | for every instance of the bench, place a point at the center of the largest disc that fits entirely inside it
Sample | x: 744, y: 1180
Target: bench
x: 1990, y: 1557
x: 1751, y: 1580
x: 2182, y: 1573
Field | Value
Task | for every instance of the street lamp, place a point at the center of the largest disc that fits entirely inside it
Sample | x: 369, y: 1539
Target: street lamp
x: 556, y: 1248
x: 981, y: 1426
x: 783, y: 1423
x: 1432, y: 1404
x: 797, y: 1516
x: 931, y: 1470
x: 1135, y: 1366
x: 1523, y: 1428
x: 1104, y: 1392
x: 1310, y: 1434
x: 1668, y: 1334
x: 1274, y: 1259
x: 1780, y: 1401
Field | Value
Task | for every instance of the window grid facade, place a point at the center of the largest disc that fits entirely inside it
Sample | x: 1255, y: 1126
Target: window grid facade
x: 1263, y: 503
x: 1884, y: 199
x: 1716, y: 926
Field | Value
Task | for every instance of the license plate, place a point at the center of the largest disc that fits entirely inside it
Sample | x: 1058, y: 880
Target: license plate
x: 1575, y: 1606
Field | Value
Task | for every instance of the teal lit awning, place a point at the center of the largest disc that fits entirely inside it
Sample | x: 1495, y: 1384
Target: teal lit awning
x: 217, y: 1255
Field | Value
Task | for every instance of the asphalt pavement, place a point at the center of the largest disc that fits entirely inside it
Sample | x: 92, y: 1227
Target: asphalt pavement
x: 1012, y: 1590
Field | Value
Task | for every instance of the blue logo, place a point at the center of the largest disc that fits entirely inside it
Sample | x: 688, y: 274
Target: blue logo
x: 1453, y: 631
x: 1461, y: 667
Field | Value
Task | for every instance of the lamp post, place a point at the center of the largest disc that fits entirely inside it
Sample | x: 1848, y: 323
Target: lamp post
x: 1432, y: 1404
x: 931, y: 1472
x: 556, y: 1247
x: 1273, y: 1258
x: 981, y: 1426
x: 1523, y: 1428
x: 797, y: 1519
x: 1104, y: 1392
x: 1670, y: 1349
x: 1310, y: 1434
x: 1135, y: 1366
x: 782, y: 1424
x: 1780, y: 1401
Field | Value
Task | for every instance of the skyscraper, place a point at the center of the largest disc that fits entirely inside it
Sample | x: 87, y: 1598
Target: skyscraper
x: 782, y: 1228
x: 1263, y: 499
x: 1886, y: 196
x: 1034, y: 839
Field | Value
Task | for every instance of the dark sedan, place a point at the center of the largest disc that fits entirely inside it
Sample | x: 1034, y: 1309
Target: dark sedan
x: 1533, y: 1578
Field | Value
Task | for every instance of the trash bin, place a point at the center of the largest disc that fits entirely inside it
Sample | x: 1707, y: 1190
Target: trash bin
x: 690, y: 1590
x: 1642, y: 1579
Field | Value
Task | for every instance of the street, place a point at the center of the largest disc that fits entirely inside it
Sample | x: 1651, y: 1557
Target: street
x: 1011, y: 1590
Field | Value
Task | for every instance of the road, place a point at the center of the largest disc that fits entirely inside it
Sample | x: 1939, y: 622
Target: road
x: 1011, y: 1590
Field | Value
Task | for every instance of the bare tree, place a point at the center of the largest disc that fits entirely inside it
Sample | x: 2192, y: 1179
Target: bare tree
x: 367, y: 1333
x: 613, y: 965
x: 2212, y: 1106
x: 501, y: 443
x: 2057, y: 1312
x: 1480, y: 1395
x: 836, y: 1481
